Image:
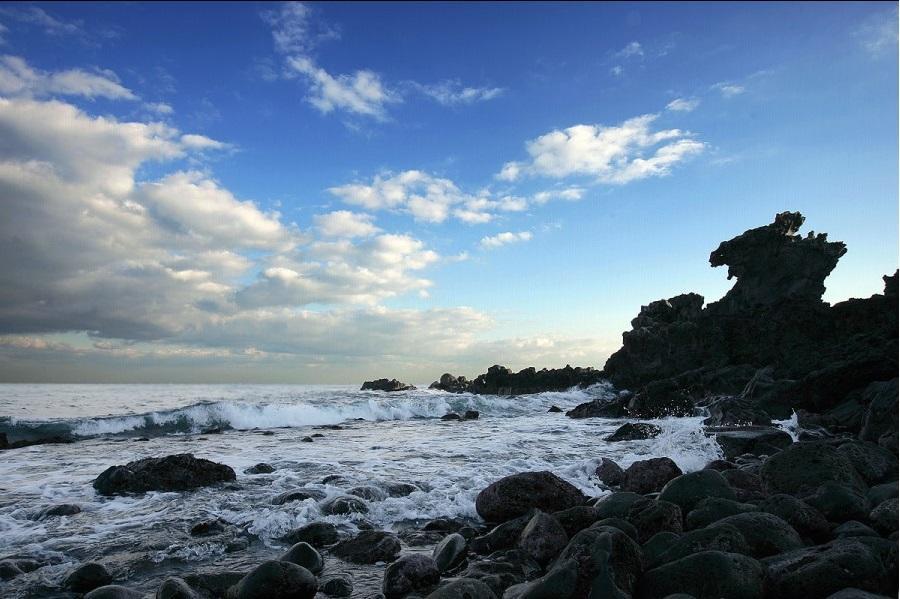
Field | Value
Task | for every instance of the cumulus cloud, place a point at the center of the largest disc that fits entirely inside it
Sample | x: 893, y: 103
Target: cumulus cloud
x: 344, y: 223
x: 571, y: 194
x: 360, y: 93
x: 17, y: 78
x: 615, y: 154
x: 683, y: 104
x: 453, y: 93
x: 505, y: 238
x: 159, y: 108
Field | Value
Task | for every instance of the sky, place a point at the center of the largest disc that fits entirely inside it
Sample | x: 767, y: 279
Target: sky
x: 333, y: 192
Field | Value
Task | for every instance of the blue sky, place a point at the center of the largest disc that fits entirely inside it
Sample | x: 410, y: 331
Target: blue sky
x: 329, y: 192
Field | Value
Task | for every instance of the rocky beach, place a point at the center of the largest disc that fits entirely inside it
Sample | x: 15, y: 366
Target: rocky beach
x: 742, y: 448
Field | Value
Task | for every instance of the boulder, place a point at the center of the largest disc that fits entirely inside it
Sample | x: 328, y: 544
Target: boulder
x: 875, y: 464
x: 113, y: 591
x: 368, y: 492
x: 577, y: 518
x: 656, y: 546
x: 368, y: 547
x: 599, y: 408
x: 879, y: 493
x: 554, y: 410
x: 501, y: 536
x: 463, y: 588
x: 87, y: 577
x: 337, y: 586
x: 261, y: 468
x: 450, y: 416
x: 604, y: 553
x: 543, y: 538
x: 804, y: 518
x: 802, y: 467
x: 852, y: 528
x: 634, y: 431
x: 176, y: 588
x: 616, y: 505
x: 560, y: 582
x: 208, y: 527
x: 303, y: 554
x: 389, y: 386
x: 881, y: 414
x: 213, y: 584
x: 825, y: 569
x: 514, y: 495
x: 855, y: 594
x: 317, y: 534
x: 712, y: 509
x: 648, y: 476
x: 610, y: 473
x: 298, y: 495
x: 706, y: 575
x: 765, y: 534
x: 623, y: 525
x: 503, y: 569
x: 725, y: 538
x: 64, y: 509
x: 884, y: 516
x: 757, y: 440
x: 688, y: 489
x: 650, y: 517
x: 450, y: 552
x: 746, y: 485
x: 839, y: 502
x: 181, y: 472
x: 660, y: 399
x: 276, y: 578
x: 344, y: 505
x: 410, y: 573
x: 451, y: 384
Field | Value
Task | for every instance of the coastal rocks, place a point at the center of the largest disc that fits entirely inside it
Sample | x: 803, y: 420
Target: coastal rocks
x: 688, y: 489
x: 176, y: 588
x: 499, y: 380
x: 884, y: 516
x: 368, y: 547
x: 735, y: 576
x: 610, y: 473
x: 344, y: 505
x: 10, y: 568
x: 298, y: 495
x: 650, y: 517
x: 805, y: 519
x: 451, y: 384
x: 839, y: 502
x: 276, y: 578
x: 390, y: 386
x: 648, y: 476
x: 660, y: 399
x: 113, y: 591
x: 408, y: 574
x: 604, y: 553
x: 712, y: 509
x: 181, y: 472
x: 303, y: 554
x: 543, y: 538
x: 368, y: 492
x: 881, y: 415
x: 802, y: 467
x: 765, y: 534
x: 598, y: 408
x: 261, y: 468
x: 719, y: 538
x: 875, y: 464
x: 501, y: 536
x: 753, y: 440
x: 463, y: 588
x: 502, y: 570
x: 576, y: 519
x: 337, y: 586
x: 514, y: 495
x: 449, y: 552
x: 560, y: 581
x: 87, y: 577
x: 634, y: 431
x: 63, y: 509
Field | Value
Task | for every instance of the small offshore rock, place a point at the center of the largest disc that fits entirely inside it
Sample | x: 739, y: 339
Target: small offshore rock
x: 450, y: 416
x: 64, y: 509
x: 368, y: 492
x: 471, y: 415
x: 261, y: 468
x: 276, y: 578
x: 208, y: 527
x: 634, y: 431
x: 303, y: 554
x: 344, y: 505
x: 181, y: 472
x: 648, y: 476
x: 409, y: 573
x: 307, y: 440
x: 514, y: 495
x: 554, y: 410
x: 389, y: 386
x: 298, y: 495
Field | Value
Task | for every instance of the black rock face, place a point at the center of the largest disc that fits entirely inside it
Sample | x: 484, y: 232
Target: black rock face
x: 390, y: 386
x: 499, y: 380
x: 181, y: 472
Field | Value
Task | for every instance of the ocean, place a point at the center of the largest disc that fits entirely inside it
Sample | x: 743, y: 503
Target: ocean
x: 396, y: 437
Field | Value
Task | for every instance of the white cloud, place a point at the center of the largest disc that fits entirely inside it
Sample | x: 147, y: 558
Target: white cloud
x: 159, y: 108
x: 17, y: 78
x: 360, y: 93
x: 878, y: 33
x: 505, y: 238
x: 617, y: 70
x: 611, y: 154
x: 425, y: 197
x: 453, y: 93
x: 294, y: 31
x: 344, y: 223
x: 571, y: 194
x: 631, y: 49
x: 201, y: 142
x: 729, y: 90
x: 33, y: 15
x: 683, y: 104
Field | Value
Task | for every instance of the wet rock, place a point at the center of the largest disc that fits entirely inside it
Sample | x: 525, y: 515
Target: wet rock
x: 720, y: 465
x: 390, y: 386
x: 368, y: 547
x: 616, y: 505
x: 298, y: 495
x: 561, y: 581
x: 656, y: 546
x: 853, y: 529
x: 113, y: 591
x: 648, y: 476
x: 884, y: 516
x: 610, y: 473
x: 344, y: 505
x: 213, y: 584
x: 688, y: 489
x: 450, y: 552
x: 713, y: 509
x: 337, y: 586
x: 261, y: 468
x: 746, y: 485
x: 64, y: 509
x: 181, y: 472
x: 660, y: 399
x: 176, y: 588
x: 650, y: 517
x: 755, y: 440
x: 825, y: 569
x: 879, y: 493
x: 881, y: 415
x: 499, y: 380
x: 501, y: 536
x: 503, y: 569
x: 408, y: 574
x: 400, y: 489
x: 463, y: 588
x: 87, y: 577
x: 577, y: 518
x: 543, y: 538
x: 303, y: 554
x: 765, y: 534
x: 11, y: 568
x: 875, y: 464
x: 471, y: 415
x: 839, y: 502
x: 634, y: 431
x: 317, y: 534
x: 736, y: 577
x: 514, y: 495
x: 554, y: 410
x: 450, y: 416
x: 804, y: 518
x: 307, y: 440
x: 451, y: 384
x: 605, y: 556
x: 599, y: 408
x: 443, y: 525
x: 802, y: 467
x: 208, y: 527
x: 368, y: 492
x: 276, y: 578
x: 623, y: 525
x: 715, y: 538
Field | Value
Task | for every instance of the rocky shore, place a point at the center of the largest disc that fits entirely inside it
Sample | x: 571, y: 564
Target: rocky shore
x: 811, y: 514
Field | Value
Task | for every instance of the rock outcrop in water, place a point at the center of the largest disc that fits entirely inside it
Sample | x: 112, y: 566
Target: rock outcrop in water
x: 390, y: 386
x: 499, y: 380
x: 768, y: 348
x: 181, y: 472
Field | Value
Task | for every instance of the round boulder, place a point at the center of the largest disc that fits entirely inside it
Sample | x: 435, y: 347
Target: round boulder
x: 543, y: 538
x: 408, y: 574
x: 688, y: 489
x: 338, y: 586
x: 176, y: 588
x: 463, y: 588
x: 884, y: 516
x: 706, y: 575
x: 368, y: 547
x: 839, y: 502
x: 303, y: 554
x: 87, y: 577
x: 344, y: 505
x: 317, y: 534
x: 449, y: 552
x: 765, y: 534
x: 276, y: 578
x: 648, y: 476
x: 802, y: 467
x: 514, y: 495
